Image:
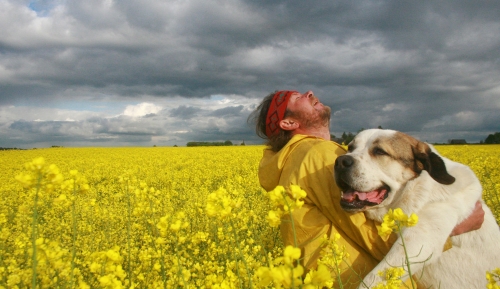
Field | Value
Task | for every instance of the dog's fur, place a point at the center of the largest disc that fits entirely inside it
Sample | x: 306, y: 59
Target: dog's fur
x: 415, y: 178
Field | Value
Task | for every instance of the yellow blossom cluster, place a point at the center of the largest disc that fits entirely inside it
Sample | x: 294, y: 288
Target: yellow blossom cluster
x: 395, y: 220
x: 493, y: 278
x: 133, y: 218
x: 284, y: 201
x: 332, y: 255
x: 161, y: 218
x: 286, y: 272
x: 393, y: 278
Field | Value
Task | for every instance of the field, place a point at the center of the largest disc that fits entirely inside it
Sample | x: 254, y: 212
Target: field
x: 152, y: 217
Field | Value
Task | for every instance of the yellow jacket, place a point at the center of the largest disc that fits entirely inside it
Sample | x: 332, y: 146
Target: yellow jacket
x: 308, y: 162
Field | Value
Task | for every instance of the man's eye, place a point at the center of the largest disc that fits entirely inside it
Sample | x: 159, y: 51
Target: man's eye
x: 379, y: 151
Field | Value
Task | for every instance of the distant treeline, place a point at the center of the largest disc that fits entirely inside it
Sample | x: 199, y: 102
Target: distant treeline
x: 348, y: 137
x: 493, y: 138
x: 208, y: 144
x: 7, y: 149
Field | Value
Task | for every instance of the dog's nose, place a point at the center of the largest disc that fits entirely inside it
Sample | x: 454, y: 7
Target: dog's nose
x: 344, y: 162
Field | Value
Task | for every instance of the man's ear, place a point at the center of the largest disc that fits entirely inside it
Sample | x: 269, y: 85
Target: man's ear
x: 288, y: 124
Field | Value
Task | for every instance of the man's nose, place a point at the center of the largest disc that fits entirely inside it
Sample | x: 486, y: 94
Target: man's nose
x: 308, y: 94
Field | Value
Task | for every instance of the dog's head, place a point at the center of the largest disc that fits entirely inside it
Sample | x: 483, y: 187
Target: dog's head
x: 379, y: 163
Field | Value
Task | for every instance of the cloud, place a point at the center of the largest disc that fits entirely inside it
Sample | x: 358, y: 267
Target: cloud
x: 228, y: 111
x: 198, y: 68
x: 141, y: 109
x: 185, y: 112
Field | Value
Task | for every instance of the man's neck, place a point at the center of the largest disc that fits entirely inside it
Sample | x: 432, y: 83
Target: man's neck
x: 323, y: 133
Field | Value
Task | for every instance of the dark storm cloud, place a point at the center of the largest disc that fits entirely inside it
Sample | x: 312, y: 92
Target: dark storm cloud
x: 430, y: 68
x: 228, y: 111
x: 184, y: 112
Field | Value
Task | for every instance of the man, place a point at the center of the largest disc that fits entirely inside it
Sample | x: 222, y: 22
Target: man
x: 296, y: 127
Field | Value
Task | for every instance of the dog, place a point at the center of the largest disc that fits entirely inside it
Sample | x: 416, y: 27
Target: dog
x: 386, y: 169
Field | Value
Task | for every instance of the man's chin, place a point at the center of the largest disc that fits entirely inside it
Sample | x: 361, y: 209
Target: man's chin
x: 326, y: 114
x: 327, y: 111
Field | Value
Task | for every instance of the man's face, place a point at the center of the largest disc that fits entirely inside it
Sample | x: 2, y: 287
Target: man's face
x: 308, y: 110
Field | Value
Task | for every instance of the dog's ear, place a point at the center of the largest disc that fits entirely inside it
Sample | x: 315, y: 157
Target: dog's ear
x: 427, y: 160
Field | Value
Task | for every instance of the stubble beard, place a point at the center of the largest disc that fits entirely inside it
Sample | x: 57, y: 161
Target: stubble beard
x: 315, y: 121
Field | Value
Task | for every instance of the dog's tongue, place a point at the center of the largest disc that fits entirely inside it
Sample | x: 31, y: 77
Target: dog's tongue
x: 376, y: 196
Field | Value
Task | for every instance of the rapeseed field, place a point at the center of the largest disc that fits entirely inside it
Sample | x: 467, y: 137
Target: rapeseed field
x: 161, y: 218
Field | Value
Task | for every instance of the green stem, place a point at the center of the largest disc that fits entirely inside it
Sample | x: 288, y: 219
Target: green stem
x: 179, y: 271
x: 34, y: 229
x: 241, y: 256
x: 341, y: 284
x: 294, y: 236
x: 291, y: 220
x: 73, y: 253
x: 128, y: 234
x: 407, y: 259
x: 163, y: 269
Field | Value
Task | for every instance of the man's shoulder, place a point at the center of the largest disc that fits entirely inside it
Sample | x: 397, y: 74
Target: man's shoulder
x: 311, y: 146
x: 315, y: 142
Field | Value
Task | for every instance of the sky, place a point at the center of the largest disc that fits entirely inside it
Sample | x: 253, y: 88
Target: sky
x: 114, y: 73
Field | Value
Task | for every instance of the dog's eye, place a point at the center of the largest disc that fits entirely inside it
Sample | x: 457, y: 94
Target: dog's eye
x: 379, y: 151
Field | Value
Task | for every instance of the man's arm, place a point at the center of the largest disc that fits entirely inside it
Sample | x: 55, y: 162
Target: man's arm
x: 473, y: 222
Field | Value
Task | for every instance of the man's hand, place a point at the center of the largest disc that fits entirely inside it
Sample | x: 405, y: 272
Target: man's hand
x: 473, y: 222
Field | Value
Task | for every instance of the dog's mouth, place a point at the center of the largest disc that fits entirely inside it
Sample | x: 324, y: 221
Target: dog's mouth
x: 353, y: 200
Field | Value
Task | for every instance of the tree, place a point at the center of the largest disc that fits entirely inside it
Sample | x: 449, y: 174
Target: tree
x: 493, y: 138
x: 350, y: 136
x: 228, y: 143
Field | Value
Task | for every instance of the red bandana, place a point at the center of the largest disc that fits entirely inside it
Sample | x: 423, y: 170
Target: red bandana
x: 276, y: 111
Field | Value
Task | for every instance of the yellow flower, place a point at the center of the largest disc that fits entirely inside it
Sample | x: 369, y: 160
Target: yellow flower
x: 176, y: 226
x: 392, y: 276
x: 297, y: 192
x: 264, y: 275
x: 113, y: 255
x: 399, y: 215
x: 291, y: 254
x: 319, y: 278
x: 220, y: 204
x: 274, y: 218
x: 95, y: 267
x: 13, y: 280
x: 385, y: 229
x: 284, y: 202
x: 394, y: 219
x: 412, y: 220
x: 493, y: 279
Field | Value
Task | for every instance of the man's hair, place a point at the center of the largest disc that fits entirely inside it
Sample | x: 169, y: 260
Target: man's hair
x: 259, y: 117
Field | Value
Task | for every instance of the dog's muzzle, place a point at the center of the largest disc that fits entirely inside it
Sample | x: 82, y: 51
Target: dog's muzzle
x: 353, y: 199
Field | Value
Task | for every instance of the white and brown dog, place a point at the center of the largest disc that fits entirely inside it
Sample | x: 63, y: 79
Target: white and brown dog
x: 386, y: 169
